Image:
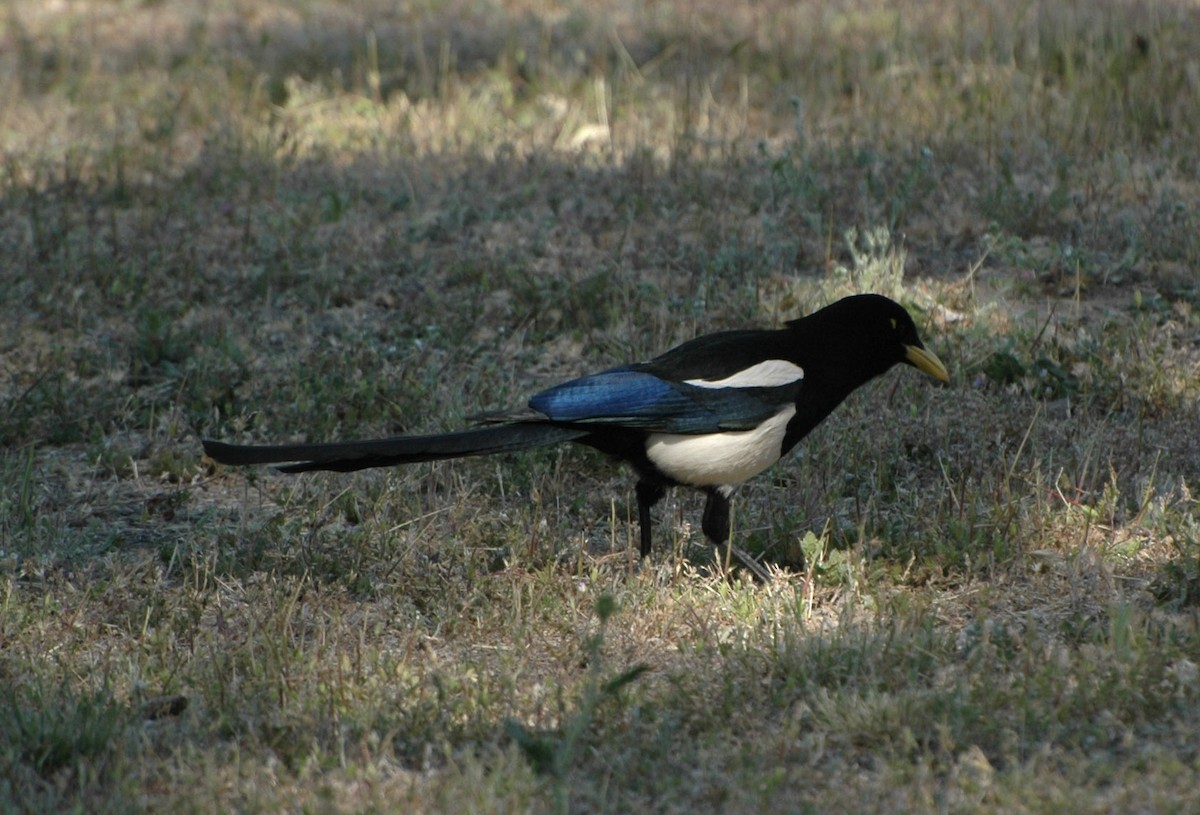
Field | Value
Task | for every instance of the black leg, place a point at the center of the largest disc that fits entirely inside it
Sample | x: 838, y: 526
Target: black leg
x: 716, y: 527
x: 648, y: 495
x: 716, y: 515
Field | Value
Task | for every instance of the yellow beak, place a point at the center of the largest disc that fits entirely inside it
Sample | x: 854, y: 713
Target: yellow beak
x: 926, y: 361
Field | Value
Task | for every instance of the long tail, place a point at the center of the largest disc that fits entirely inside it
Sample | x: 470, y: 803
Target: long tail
x: 344, y: 456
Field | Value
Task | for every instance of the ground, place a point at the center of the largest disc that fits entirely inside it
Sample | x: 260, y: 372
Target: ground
x: 262, y: 222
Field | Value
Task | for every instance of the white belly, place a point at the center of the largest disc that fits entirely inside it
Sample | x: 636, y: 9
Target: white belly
x: 720, y: 459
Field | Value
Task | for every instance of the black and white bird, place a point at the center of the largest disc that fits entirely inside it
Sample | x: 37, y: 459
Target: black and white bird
x: 708, y: 414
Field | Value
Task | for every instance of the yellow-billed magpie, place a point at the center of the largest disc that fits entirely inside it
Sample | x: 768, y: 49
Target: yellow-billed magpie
x: 708, y: 414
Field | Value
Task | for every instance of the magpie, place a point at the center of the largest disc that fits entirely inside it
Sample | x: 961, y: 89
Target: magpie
x: 708, y: 414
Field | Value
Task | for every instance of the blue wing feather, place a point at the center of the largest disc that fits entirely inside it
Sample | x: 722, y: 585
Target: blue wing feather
x: 633, y: 398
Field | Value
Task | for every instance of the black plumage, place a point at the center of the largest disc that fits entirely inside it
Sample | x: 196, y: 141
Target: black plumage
x: 707, y: 414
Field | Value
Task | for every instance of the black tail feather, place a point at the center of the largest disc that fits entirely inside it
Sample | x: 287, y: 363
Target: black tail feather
x: 345, y: 456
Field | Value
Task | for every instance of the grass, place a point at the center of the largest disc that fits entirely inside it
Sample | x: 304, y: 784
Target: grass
x: 265, y: 221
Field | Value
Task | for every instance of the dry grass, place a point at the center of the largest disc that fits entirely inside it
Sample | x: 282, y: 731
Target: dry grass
x: 307, y: 220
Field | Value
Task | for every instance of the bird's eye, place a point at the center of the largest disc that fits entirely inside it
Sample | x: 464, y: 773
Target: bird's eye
x: 895, y: 324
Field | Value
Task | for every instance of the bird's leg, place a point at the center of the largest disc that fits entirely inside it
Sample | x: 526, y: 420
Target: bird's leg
x: 648, y: 494
x: 715, y: 522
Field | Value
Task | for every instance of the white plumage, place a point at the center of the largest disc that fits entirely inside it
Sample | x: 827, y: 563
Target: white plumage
x: 719, y: 459
x: 770, y: 373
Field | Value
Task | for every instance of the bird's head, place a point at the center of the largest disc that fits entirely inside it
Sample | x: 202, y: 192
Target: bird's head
x: 867, y: 334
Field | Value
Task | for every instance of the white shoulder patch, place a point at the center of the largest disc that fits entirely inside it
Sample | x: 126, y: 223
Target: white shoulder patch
x: 770, y: 373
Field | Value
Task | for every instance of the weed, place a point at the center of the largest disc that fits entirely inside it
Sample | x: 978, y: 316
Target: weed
x: 52, y: 730
x: 555, y: 753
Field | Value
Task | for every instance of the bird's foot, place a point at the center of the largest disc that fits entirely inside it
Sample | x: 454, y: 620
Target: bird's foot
x: 747, y: 561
